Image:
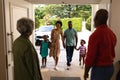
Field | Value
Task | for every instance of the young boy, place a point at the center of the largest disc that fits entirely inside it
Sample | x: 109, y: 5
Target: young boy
x: 44, y: 45
x: 82, y: 49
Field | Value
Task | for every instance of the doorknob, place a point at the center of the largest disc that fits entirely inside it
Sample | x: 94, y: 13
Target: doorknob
x: 9, y: 51
x: 10, y: 34
x: 9, y: 65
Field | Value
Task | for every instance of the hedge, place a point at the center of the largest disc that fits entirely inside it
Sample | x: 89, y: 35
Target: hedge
x: 77, y: 23
x: 88, y: 24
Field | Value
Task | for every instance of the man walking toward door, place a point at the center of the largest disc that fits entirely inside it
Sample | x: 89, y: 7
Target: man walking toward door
x: 70, y: 42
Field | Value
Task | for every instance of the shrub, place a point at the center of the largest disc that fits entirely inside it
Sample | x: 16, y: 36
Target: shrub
x: 88, y: 24
x: 37, y: 22
x: 77, y: 23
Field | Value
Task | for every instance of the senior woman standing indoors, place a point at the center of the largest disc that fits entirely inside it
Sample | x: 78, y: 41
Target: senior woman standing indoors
x: 26, y: 64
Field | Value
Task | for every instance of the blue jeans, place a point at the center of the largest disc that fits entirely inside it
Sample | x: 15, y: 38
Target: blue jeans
x: 102, y: 73
x: 69, y: 51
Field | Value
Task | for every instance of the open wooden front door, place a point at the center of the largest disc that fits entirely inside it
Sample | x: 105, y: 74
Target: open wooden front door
x: 14, y: 10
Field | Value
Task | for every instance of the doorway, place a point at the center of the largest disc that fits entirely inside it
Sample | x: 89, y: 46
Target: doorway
x: 12, y: 9
x: 76, y: 70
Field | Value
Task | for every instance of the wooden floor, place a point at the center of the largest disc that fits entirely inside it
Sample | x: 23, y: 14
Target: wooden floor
x: 75, y: 70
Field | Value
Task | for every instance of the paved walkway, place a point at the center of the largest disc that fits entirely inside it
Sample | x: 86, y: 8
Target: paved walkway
x: 75, y: 70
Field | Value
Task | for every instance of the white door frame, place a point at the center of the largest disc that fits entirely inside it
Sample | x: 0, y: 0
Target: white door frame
x: 14, y: 10
x: 7, y: 33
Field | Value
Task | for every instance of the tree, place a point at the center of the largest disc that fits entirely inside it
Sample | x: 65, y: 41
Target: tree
x: 88, y: 24
x: 59, y: 11
x: 40, y: 12
x: 64, y: 10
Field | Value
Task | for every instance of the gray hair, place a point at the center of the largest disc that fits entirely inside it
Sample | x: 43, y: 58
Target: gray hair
x: 25, y: 25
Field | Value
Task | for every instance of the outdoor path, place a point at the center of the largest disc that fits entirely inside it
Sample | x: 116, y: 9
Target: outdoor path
x: 75, y: 70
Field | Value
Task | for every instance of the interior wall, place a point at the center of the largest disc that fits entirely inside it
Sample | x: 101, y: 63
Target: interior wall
x: 2, y: 45
x: 115, y: 26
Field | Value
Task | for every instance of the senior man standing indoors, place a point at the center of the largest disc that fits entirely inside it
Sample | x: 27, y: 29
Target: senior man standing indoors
x: 101, y: 49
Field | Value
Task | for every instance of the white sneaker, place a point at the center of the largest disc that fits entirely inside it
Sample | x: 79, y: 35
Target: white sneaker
x: 56, y: 68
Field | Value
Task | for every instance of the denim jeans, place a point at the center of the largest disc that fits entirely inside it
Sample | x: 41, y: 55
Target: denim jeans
x: 69, y: 51
x: 102, y: 73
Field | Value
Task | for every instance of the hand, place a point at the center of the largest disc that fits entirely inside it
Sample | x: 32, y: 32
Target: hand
x: 86, y: 76
x: 75, y: 47
x: 64, y: 45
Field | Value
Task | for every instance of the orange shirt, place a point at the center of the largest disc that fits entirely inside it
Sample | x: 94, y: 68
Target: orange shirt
x: 101, y: 47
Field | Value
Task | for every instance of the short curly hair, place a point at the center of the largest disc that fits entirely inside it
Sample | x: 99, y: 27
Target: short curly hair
x: 58, y: 22
x: 82, y: 40
x: 25, y: 25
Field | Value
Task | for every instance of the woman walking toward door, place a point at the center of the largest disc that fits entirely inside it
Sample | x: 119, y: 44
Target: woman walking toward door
x: 55, y: 44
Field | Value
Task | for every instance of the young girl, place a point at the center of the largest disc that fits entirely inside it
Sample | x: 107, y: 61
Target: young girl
x: 82, y: 49
x: 44, y: 45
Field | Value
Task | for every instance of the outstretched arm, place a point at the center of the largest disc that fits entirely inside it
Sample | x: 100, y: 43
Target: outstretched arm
x: 77, y: 48
x: 63, y: 39
x: 76, y: 40
x: 49, y: 44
